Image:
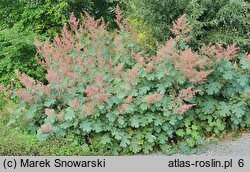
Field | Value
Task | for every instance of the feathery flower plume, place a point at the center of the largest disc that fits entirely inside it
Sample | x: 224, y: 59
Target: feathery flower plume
x: 129, y: 99
x: 119, y: 16
x: 187, y: 94
x: 2, y: 88
x: 46, y: 128
x: 74, y: 103
x: 132, y: 74
x: 73, y: 22
x: 60, y: 116
x: 24, y: 95
x: 153, y: 97
x: 123, y: 107
x: 183, y: 108
x: 49, y: 112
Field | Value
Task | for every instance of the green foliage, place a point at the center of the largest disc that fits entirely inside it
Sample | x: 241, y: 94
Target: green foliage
x: 10, y: 11
x: 105, y: 92
x: 158, y: 14
x: 17, y: 52
x: 2, y: 100
x: 213, y: 21
x: 48, y: 16
x: 5, y: 100
x: 145, y: 34
x: 226, y: 101
x: 18, y: 143
x: 220, y: 21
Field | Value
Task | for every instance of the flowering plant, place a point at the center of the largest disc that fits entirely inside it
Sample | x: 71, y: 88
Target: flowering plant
x: 103, y: 89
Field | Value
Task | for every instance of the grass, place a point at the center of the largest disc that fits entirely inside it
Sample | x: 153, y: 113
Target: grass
x: 15, y: 142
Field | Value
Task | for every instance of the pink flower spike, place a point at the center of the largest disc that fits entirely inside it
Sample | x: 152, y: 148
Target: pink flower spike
x: 74, y: 103
x: 49, y: 112
x: 46, y: 128
x: 2, y: 88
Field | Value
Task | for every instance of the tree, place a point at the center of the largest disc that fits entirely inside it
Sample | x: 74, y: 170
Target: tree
x: 158, y: 13
x: 224, y: 21
x: 48, y: 16
x: 17, y: 52
x: 9, y: 12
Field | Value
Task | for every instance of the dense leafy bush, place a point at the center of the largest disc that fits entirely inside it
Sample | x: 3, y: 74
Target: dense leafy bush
x: 158, y: 14
x: 224, y: 21
x: 222, y: 104
x: 17, y: 52
x: 215, y: 21
x: 102, y: 89
x: 145, y: 35
x: 48, y: 16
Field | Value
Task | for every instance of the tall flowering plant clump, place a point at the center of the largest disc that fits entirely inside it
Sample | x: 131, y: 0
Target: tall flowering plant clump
x: 103, y: 89
x: 223, y: 104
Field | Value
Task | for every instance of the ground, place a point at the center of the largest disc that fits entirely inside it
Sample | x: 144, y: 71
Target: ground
x: 239, y: 146
x: 230, y: 147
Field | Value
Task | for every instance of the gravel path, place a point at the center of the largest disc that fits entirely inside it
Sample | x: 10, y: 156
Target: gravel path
x: 229, y: 147
x: 232, y: 147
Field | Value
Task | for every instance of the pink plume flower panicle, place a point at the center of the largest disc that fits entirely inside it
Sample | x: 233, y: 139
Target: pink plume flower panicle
x: 21, y: 92
x: 46, y: 128
x: 90, y: 91
x: 51, y: 76
x: 186, y: 63
x: 46, y: 90
x: 129, y: 99
x: 180, y: 26
x: 75, y: 103
x: 2, y: 88
x: 153, y: 97
x: 49, y: 112
x: 118, y: 70
x: 73, y: 22
x: 132, y: 74
x: 60, y: 116
x: 27, y: 81
x: 123, y: 107
x: 183, y: 108
x: 119, y: 16
x: 187, y: 94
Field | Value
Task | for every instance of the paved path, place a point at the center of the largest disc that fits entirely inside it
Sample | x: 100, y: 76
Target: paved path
x: 229, y: 147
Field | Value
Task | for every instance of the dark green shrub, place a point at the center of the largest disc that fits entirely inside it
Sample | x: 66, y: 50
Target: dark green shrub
x: 17, y: 52
x: 48, y: 16
x: 213, y: 21
x: 159, y: 14
x: 107, y: 94
x: 220, y: 21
